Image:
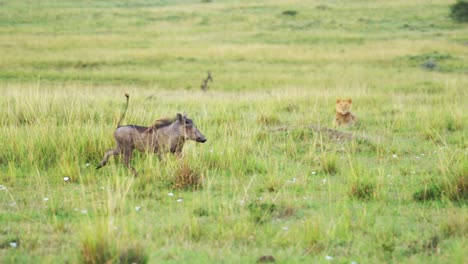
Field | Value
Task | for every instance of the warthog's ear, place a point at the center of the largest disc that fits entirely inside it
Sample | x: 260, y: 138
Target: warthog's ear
x: 349, y: 100
x: 338, y: 100
x: 180, y: 117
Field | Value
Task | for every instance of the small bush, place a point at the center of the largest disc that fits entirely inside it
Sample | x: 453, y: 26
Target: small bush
x: 261, y: 212
x: 96, y: 250
x: 187, y: 178
x: 291, y: 108
x: 100, y: 246
x: 460, y: 189
x: 429, y: 192
x: 102, y: 252
x: 200, y: 212
x: 289, y: 13
x: 454, y: 174
x: 133, y: 255
x: 432, y: 245
x: 453, y: 125
x: 266, y: 259
x: 429, y: 65
x: 266, y: 119
x: 454, y: 224
x: 362, y: 190
x: 454, y: 190
x: 272, y: 184
x: 459, y: 11
x: 286, y: 211
x: 329, y: 164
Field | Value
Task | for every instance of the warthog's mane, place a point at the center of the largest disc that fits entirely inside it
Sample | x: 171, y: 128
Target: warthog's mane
x: 161, y: 122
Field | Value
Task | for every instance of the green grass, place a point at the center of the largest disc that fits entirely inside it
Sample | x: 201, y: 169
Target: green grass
x: 399, y: 195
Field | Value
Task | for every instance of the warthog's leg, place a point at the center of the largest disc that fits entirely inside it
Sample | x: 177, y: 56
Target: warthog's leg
x: 177, y: 150
x: 127, y: 157
x: 110, y: 152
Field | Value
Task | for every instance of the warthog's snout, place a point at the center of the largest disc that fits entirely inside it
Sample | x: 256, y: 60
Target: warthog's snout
x: 201, y: 139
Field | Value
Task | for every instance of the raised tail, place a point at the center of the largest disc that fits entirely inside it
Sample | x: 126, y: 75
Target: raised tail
x: 125, y: 111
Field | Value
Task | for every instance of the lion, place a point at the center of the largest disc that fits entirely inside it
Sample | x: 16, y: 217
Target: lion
x: 343, y: 114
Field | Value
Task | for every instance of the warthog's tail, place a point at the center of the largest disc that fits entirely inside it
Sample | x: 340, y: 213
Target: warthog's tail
x: 125, y: 111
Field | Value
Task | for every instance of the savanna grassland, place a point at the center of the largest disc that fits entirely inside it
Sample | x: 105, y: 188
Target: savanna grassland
x: 264, y: 183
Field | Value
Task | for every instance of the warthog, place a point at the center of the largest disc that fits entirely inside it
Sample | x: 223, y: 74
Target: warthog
x: 163, y: 136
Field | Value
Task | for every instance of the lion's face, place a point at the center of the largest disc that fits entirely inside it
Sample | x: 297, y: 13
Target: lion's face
x: 343, y: 106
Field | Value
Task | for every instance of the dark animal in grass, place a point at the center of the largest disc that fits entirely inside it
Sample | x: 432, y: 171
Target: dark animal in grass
x: 204, y: 84
x: 165, y: 135
x: 266, y: 259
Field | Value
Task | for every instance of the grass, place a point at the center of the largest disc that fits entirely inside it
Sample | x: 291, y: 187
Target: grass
x: 251, y: 190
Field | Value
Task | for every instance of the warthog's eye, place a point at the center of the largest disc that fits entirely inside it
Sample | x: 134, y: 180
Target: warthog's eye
x: 188, y: 122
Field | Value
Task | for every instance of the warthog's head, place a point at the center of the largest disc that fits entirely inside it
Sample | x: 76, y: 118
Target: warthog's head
x: 189, y: 130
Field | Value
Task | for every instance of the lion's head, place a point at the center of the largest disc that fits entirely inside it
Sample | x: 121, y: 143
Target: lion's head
x: 343, y: 106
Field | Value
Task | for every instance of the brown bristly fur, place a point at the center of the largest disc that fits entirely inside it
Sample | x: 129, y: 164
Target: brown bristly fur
x: 161, y: 122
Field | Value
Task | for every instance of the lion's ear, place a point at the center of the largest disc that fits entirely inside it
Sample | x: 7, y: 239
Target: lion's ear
x: 338, y: 100
x: 349, y: 100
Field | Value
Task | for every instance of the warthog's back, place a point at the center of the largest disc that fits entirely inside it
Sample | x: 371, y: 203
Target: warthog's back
x: 135, y: 136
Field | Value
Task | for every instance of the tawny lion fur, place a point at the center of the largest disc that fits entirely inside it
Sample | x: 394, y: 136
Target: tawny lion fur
x: 343, y: 115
